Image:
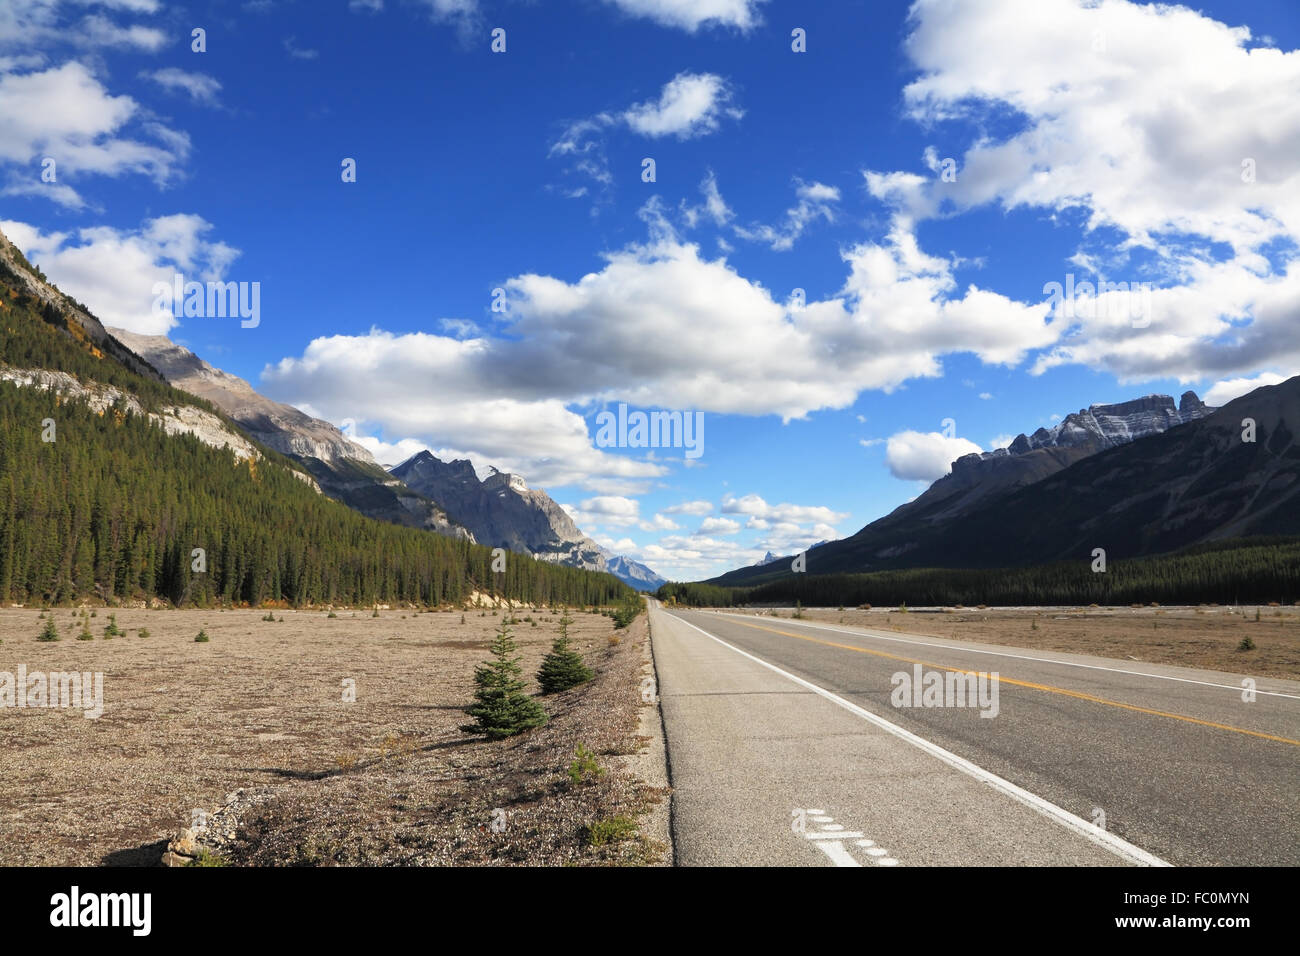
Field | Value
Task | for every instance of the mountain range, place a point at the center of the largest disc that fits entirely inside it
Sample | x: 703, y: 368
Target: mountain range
x: 1139, y: 478
x: 423, y: 492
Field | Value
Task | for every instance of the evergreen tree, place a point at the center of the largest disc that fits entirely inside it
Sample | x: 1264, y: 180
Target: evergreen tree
x: 563, y: 667
x: 502, y: 709
x: 51, y: 632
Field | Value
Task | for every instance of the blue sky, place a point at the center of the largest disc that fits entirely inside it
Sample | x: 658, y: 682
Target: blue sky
x: 1094, y: 140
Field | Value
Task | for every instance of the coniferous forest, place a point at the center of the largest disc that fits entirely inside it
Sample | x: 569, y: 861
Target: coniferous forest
x: 114, y: 508
x: 1246, y: 571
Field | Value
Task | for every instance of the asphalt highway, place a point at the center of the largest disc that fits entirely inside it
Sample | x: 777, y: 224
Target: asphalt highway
x: 800, y: 743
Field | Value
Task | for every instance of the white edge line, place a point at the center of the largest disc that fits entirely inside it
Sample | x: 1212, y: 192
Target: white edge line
x: 1079, y: 826
x: 867, y: 632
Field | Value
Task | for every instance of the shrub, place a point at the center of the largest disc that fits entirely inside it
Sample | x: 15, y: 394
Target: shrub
x: 563, y: 667
x: 584, y: 766
x: 627, y: 612
x: 1246, y: 644
x: 50, y: 632
x: 501, y: 707
x: 112, y: 630
x: 143, y: 632
x: 610, y: 830
x: 202, y: 637
x: 208, y: 858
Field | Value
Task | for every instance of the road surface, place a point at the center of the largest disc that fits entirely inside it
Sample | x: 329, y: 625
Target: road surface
x: 786, y: 747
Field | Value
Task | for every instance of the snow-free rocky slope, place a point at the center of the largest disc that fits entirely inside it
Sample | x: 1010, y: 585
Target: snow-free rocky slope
x: 503, y: 512
x: 345, y: 470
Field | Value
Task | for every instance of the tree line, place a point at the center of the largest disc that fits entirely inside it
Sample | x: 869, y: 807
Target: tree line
x: 1240, y: 571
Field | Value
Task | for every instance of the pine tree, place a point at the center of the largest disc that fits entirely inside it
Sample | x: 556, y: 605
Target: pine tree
x: 502, y: 709
x: 51, y: 632
x: 563, y: 667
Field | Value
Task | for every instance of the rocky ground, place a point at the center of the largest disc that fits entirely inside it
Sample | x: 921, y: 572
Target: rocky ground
x: 253, y: 731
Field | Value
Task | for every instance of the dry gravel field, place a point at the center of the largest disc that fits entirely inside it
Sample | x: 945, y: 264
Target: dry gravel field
x: 1207, y: 637
x: 388, y: 779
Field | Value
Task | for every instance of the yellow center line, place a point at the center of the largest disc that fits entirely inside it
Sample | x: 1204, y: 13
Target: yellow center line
x: 1033, y: 686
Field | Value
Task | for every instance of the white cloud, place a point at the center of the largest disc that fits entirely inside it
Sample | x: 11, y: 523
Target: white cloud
x: 613, y: 506
x: 298, y: 52
x: 64, y: 113
x: 660, y: 522
x: 718, y: 526
x: 1000, y: 441
x: 816, y: 201
x: 1140, y: 117
x: 1221, y: 393
x: 99, y: 31
x: 689, y: 508
x: 42, y: 24
x: 690, y: 15
x: 756, y: 506
x: 113, y: 271
x: 925, y: 456
x: 201, y: 87
x: 689, y: 105
x: 714, y: 206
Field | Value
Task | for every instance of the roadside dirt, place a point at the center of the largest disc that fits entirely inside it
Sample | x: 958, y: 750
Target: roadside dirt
x: 387, y: 779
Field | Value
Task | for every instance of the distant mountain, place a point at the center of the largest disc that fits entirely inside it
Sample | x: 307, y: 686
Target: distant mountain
x: 1032, y: 458
x: 766, y: 559
x: 634, y: 573
x: 503, y: 512
x: 345, y: 470
x: 979, y: 481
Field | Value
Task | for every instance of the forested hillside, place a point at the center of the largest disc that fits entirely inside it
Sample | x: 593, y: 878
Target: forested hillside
x: 114, y: 507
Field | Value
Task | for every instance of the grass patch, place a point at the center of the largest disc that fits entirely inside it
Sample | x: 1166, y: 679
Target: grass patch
x: 610, y: 830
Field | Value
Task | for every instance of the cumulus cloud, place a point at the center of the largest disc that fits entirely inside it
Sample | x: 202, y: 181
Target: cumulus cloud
x: 718, y: 526
x: 690, y: 105
x: 691, y: 15
x: 1156, y: 123
x: 1221, y: 393
x: 689, y: 508
x: 65, y: 113
x: 113, y: 271
x: 757, y: 507
x: 925, y: 456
